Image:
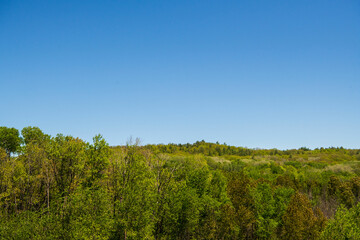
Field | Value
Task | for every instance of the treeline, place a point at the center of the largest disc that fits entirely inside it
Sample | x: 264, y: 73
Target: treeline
x: 65, y: 188
x: 217, y: 149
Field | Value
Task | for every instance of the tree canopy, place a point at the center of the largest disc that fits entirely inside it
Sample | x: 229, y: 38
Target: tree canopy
x: 62, y: 187
x: 9, y: 139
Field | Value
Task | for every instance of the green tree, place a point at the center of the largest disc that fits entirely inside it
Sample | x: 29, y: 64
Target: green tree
x: 38, y: 175
x: 186, y: 208
x: 300, y: 221
x: 89, y: 214
x: 13, y: 186
x: 264, y: 204
x: 9, y: 140
x: 226, y: 223
x: 35, y: 160
x: 345, y: 225
x: 67, y: 156
x: 97, y: 160
x: 133, y: 187
x: 165, y: 184
x: 3, y: 155
x: 239, y: 193
x: 210, y: 225
x: 34, y: 135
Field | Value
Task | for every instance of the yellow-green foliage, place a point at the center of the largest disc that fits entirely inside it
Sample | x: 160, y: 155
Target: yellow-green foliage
x: 300, y: 221
x: 64, y: 188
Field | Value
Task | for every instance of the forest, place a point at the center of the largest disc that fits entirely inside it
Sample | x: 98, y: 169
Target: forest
x: 62, y: 187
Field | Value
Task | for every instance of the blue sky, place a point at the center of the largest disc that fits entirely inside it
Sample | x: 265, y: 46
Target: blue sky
x: 267, y: 74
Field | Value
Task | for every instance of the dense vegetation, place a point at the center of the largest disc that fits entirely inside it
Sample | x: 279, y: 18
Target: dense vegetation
x: 65, y: 188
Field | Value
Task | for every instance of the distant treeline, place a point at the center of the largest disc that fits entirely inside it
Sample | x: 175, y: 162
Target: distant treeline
x: 217, y: 149
x: 62, y: 187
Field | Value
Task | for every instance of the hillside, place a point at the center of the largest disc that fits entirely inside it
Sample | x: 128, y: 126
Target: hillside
x: 65, y: 188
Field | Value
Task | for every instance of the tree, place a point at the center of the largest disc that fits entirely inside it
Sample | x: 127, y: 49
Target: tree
x: 300, y: 221
x: 9, y: 139
x: 36, y: 166
x: 2, y: 155
x: 345, y: 225
x: 97, y: 159
x: 34, y: 135
x: 165, y: 185
x: 67, y: 156
x: 239, y: 193
x: 36, y: 163
x: 89, y: 214
x: 133, y: 187
x: 264, y: 204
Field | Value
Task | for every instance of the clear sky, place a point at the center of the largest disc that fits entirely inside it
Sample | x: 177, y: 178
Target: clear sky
x: 267, y: 74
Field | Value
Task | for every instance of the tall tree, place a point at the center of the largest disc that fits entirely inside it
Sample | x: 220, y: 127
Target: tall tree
x: 133, y: 188
x: 300, y: 221
x: 97, y: 160
x: 67, y: 155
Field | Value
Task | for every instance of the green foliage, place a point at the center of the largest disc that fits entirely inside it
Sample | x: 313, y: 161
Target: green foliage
x: 9, y: 139
x: 282, y: 198
x: 185, y: 209
x: 67, y: 155
x: 199, y: 180
x: 34, y: 135
x: 2, y: 155
x: 239, y: 193
x: 97, y: 160
x: 89, y: 214
x: 300, y: 221
x: 264, y: 204
x: 345, y: 225
x: 133, y: 190
x: 269, y: 207
x: 64, y: 188
x: 217, y: 187
x: 294, y: 164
